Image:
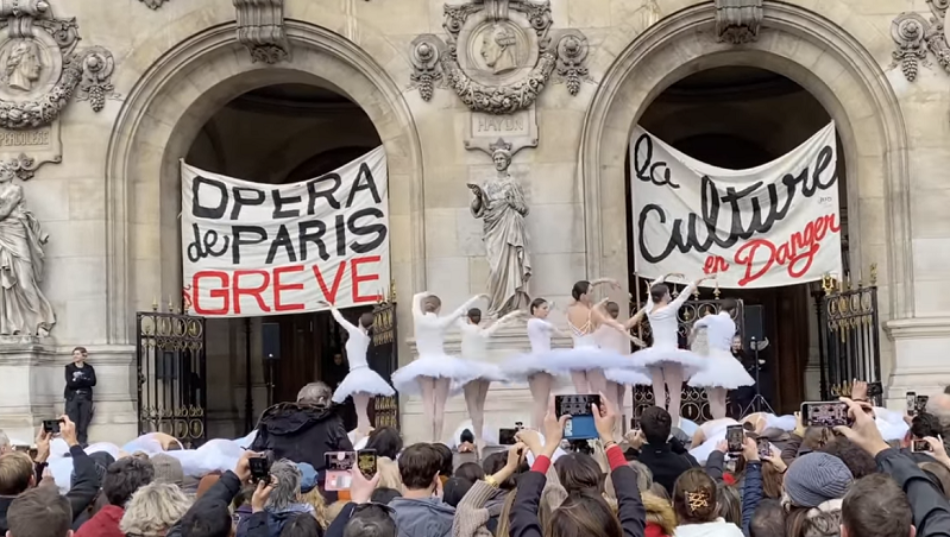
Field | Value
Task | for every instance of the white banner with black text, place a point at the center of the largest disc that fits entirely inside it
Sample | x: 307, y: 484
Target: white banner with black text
x: 777, y: 224
x: 251, y: 249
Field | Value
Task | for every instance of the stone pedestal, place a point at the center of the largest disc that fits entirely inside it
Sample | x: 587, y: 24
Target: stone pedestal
x: 920, y: 363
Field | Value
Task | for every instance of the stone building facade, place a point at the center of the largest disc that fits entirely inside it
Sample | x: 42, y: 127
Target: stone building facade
x: 224, y: 84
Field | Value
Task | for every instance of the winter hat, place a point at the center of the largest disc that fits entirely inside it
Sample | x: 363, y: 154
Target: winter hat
x: 816, y: 478
x: 168, y: 469
x: 308, y: 477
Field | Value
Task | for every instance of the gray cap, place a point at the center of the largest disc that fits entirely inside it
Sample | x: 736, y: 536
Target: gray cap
x: 815, y: 478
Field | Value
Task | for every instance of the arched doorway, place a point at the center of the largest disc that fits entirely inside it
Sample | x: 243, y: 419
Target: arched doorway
x: 164, y: 117
x: 805, y: 48
x: 741, y: 117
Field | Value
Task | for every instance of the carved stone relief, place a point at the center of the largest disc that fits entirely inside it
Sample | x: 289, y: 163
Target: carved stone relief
x: 738, y: 21
x: 40, y: 72
x: 915, y: 35
x: 497, y: 55
x: 261, y: 29
x: 153, y: 4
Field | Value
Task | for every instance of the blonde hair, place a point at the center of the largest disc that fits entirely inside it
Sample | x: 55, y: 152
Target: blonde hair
x: 389, y: 477
x: 319, y: 504
x: 153, y: 509
x: 16, y: 469
x: 333, y: 511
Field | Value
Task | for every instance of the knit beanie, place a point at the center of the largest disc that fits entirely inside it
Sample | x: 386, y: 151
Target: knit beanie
x: 815, y: 478
x: 168, y: 469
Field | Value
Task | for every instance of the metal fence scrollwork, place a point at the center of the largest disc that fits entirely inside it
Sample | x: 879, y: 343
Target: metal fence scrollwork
x: 172, y: 390
x: 383, y: 359
x: 850, y: 346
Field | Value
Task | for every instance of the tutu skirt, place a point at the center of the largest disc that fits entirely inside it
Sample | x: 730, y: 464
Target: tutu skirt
x: 628, y: 376
x: 519, y: 368
x: 442, y: 366
x: 722, y: 370
x: 362, y: 380
x: 585, y: 359
x: 658, y: 356
x: 477, y: 370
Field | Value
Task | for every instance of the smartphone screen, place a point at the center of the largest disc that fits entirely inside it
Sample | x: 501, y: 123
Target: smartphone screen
x: 339, y: 465
x: 825, y: 414
x: 506, y: 437
x: 635, y: 423
x: 260, y: 469
x: 734, y: 436
x: 921, y: 403
x: 911, y: 403
x: 366, y: 462
x: 764, y: 447
x: 920, y: 446
x: 581, y: 425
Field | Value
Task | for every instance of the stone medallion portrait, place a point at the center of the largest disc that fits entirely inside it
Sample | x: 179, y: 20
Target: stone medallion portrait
x: 29, y: 66
x: 497, y: 51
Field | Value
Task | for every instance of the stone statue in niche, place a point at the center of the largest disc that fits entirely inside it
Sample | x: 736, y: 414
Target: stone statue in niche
x: 501, y: 205
x: 24, y: 309
x: 23, y: 65
x: 499, y: 49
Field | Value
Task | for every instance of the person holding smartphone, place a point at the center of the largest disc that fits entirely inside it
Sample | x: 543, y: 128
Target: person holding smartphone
x: 80, y: 380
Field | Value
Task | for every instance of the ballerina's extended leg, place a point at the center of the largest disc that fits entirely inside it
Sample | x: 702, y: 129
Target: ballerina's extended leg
x: 581, y: 384
x: 659, y: 387
x: 442, y: 386
x: 540, y: 385
x: 475, y: 412
x: 478, y: 419
x: 717, y: 402
x: 611, y: 393
x: 361, y: 402
x: 597, y: 382
x: 674, y: 384
x: 427, y: 387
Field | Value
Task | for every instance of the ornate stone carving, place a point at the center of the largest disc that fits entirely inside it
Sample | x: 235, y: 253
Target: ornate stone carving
x: 154, y: 4
x: 261, y: 29
x: 915, y: 35
x: 497, y: 56
x: 738, y: 21
x: 572, y: 50
x: 26, y: 310
x: 40, y: 69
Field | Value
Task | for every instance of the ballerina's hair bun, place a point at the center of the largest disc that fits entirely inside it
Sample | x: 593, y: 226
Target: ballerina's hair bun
x: 580, y: 288
x: 694, y: 497
x: 431, y: 303
x: 658, y: 291
x: 366, y: 320
x: 537, y: 303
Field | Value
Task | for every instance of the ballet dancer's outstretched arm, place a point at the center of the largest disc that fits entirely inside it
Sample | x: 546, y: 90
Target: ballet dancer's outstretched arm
x: 604, y: 281
x: 347, y: 325
x: 448, y: 320
x: 663, y: 278
x: 417, y: 303
x: 681, y: 299
x: 635, y: 320
x: 503, y: 322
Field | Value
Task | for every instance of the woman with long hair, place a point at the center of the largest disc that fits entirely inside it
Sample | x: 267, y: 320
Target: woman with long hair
x: 586, y: 362
x: 696, y: 503
x: 665, y: 361
x: 361, y: 383
x: 481, y: 372
x: 536, y: 367
x: 432, y: 373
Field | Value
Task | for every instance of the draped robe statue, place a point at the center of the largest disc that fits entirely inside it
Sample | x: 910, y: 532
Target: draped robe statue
x: 500, y: 203
x: 24, y: 310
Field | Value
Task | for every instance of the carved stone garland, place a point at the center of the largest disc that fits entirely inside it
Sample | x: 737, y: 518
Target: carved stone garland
x: 436, y: 63
x: 261, y: 30
x: 153, y: 4
x: 915, y: 35
x: 738, y: 21
x: 85, y: 74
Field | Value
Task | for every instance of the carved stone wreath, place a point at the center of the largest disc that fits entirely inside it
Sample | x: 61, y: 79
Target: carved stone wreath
x: 524, y: 27
x: 914, y: 35
x: 85, y: 74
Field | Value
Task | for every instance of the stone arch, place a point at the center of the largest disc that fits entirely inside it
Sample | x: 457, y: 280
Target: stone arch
x: 163, y: 113
x: 806, y: 48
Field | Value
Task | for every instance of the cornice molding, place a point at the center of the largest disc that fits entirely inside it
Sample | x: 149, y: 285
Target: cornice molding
x: 918, y: 327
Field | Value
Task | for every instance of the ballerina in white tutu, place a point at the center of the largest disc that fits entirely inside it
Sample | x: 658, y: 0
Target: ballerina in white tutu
x: 664, y: 360
x: 722, y: 371
x: 432, y: 373
x: 611, y: 339
x: 361, y: 383
x: 586, y: 362
x: 481, y: 373
x: 536, y: 367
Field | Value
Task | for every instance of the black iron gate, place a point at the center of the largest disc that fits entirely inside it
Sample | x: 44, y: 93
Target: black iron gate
x: 172, y: 389
x: 694, y: 405
x: 383, y: 359
x: 850, y: 346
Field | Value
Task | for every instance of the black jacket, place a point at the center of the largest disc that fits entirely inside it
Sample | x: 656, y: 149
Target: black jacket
x: 83, y: 492
x: 79, y: 380
x: 301, y: 433
x: 930, y: 508
x: 224, y: 490
x: 524, y: 512
x: 667, y: 462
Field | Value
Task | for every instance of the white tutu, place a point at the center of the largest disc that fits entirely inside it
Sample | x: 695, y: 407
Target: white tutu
x: 585, y: 359
x: 722, y: 370
x: 433, y: 366
x: 519, y: 368
x: 657, y: 356
x: 628, y: 376
x: 478, y: 370
x: 362, y: 380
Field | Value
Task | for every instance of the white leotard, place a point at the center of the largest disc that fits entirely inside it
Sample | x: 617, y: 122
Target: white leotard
x: 720, y: 329
x: 539, y: 334
x: 356, y: 344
